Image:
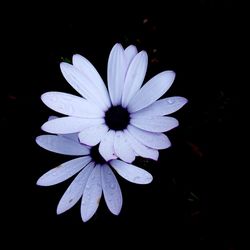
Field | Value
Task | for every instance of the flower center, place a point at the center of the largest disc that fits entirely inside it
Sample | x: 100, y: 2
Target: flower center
x: 95, y: 155
x: 117, y: 118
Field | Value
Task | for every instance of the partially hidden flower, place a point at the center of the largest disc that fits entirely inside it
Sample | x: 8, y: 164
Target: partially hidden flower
x: 127, y: 119
x: 94, y: 178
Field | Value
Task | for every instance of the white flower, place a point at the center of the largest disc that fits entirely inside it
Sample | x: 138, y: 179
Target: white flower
x: 127, y: 120
x: 95, y: 175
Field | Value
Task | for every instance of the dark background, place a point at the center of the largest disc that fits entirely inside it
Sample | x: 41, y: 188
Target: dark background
x: 194, y: 199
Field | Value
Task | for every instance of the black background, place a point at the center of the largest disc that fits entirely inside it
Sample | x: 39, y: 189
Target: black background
x: 194, y: 198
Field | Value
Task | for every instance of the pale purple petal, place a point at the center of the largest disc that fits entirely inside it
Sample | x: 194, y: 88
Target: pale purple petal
x: 151, y: 91
x: 152, y: 140
x: 61, y: 145
x: 155, y: 123
x: 106, y: 147
x: 52, y: 117
x: 92, y: 194
x: 84, y: 65
x: 162, y: 107
x: 134, y: 77
x: 67, y: 125
x: 92, y: 135
x: 116, y: 73
x: 131, y: 172
x: 72, y: 136
x: 81, y: 83
x: 141, y: 149
x: 71, y: 105
x: 130, y: 52
x: 122, y: 148
x: 63, y: 171
x: 111, y: 190
x: 75, y: 190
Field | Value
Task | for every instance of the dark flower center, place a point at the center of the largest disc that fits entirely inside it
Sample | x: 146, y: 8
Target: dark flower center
x: 96, y: 156
x: 117, y: 118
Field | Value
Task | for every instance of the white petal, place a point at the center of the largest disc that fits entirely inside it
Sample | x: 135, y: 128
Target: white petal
x: 162, y: 107
x: 141, y: 149
x: 116, y: 73
x: 151, y: 91
x: 63, y: 171
x: 67, y: 125
x: 87, y: 68
x: 72, y: 136
x: 130, y: 52
x: 122, y: 148
x: 71, y: 105
x: 61, y: 145
x: 75, y: 190
x: 92, y: 135
x: 92, y: 194
x: 82, y: 84
x: 152, y: 140
x: 111, y: 190
x: 131, y: 172
x: 106, y: 147
x: 155, y: 123
x: 134, y: 77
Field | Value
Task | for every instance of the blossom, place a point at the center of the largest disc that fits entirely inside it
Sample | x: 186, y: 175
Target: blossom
x: 95, y: 175
x: 127, y: 119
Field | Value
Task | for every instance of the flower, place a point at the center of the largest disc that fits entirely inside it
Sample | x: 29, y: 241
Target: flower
x: 95, y: 175
x: 127, y: 119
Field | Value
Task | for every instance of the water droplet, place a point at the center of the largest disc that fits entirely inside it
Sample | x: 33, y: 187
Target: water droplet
x: 112, y: 185
x: 87, y: 187
x: 170, y: 100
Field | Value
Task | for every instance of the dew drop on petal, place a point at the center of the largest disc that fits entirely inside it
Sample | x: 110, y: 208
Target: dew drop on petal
x: 170, y: 100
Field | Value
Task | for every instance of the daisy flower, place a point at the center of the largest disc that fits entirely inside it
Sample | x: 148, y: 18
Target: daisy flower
x: 127, y: 119
x: 94, y: 178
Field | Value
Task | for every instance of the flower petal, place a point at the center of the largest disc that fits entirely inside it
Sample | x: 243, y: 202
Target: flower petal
x: 131, y: 172
x: 61, y: 145
x: 75, y: 190
x: 151, y: 91
x: 71, y: 105
x: 155, y: 123
x: 72, y: 137
x: 67, y: 125
x: 130, y: 52
x: 87, y: 68
x: 106, y: 147
x: 122, y: 148
x: 111, y: 190
x: 93, y: 135
x: 152, y: 140
x: 116, y: 74
x: 82, y: 84
x: 92, y: 194
x: 134, y: 77
x: 63, y: 171
x: 162, y: 107
x: 141, y: 149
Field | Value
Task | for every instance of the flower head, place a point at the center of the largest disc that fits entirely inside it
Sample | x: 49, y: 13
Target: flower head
x: 127, y: 119
x: 95, y: 175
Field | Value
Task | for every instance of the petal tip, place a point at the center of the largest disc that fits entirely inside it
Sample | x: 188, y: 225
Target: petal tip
x: 59, y: 210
